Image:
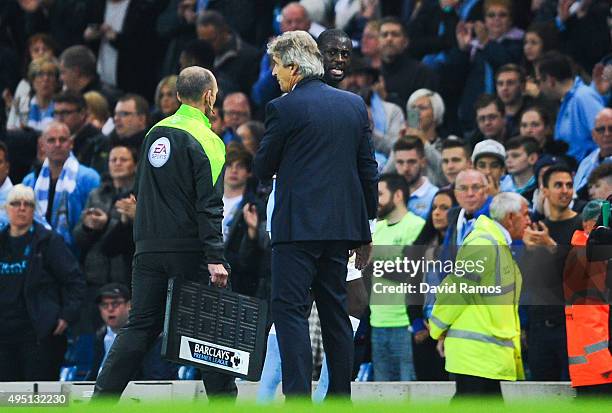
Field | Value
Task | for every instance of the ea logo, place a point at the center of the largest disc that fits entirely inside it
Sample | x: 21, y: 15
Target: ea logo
x: 159, y: 152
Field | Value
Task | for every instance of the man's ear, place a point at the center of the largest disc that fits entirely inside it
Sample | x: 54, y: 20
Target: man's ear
x: 532, y: 159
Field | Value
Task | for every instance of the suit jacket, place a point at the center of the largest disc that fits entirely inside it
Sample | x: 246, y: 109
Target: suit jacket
x: 317, y: 141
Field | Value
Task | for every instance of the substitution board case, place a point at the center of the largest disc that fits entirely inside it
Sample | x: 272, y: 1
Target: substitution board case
x: 214, y: 328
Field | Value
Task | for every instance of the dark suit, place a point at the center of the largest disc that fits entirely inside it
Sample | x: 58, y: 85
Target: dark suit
x: 318, y: 143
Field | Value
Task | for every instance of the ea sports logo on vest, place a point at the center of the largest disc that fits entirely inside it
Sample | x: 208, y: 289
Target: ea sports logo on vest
x: 159, y: 152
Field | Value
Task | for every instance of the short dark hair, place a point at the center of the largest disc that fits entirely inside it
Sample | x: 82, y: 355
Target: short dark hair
x: 191, y: 85
x: 73, y: 98
x: 485, y: 99
x: 455, y: 142
x: 142, y: 106
x: 394, y: 20
x: 396, y: 183
x: 602, y: 171
x: 331, y: 34
x: 80, y: 57
x: 546, y: 116
x: 241, y: 155
x: 512, y: 68
x: 526, y: 142
x: 256, y: 128
x: 556, y: 65
x: 213, y: 18
x: 409, y: 143
x: 553, y: 170
x: 133, y: 150
x: 201, y: 52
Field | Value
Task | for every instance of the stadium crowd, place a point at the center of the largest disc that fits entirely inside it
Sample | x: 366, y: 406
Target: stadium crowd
x: 467, y: 99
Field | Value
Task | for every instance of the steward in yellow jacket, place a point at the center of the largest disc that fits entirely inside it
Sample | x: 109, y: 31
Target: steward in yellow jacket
x: 475, y: 317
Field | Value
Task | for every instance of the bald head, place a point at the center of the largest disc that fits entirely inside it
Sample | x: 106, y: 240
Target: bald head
x: 602, y: 132
x: 56, y: 142
x: 471, y: 190
x: 236, y: 110
x: 56, y: 127
x: 193, y: 82
x: 294, y: 17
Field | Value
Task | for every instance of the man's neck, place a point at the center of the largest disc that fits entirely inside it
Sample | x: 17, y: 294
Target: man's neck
x: 43, y: 101
x: 417, y: 184
x: 123, y: 182
x: 514, y: 107
x: 390, y: 59
x: 396, y: 215
x: 229, y: 192
x: 521, y: 179
x: 560, y: 214
x: 84, y: 82
x: 55, y: 168
x: 566, y: 87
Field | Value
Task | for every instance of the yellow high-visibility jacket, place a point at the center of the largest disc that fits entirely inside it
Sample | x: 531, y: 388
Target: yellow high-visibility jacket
x: 477, y: 307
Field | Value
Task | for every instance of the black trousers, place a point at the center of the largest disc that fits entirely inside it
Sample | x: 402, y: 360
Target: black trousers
x: 32, y: 360
x: 298, y: 268
x: 151, y: 272
x: 473, y: 386
x: 594, y: 392
x: 547, y: 352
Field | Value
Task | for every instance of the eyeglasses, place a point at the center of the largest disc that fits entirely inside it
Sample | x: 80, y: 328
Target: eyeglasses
x: 604, y: 129
x: 45, y: 73
x: 124, y: 114
x: 18, y: 204
x: 491, y: 117
x: 62, y: 113
x: 111, y: 304
x: 236, y: 114
x: 472, y: 188
x: 501, y: 15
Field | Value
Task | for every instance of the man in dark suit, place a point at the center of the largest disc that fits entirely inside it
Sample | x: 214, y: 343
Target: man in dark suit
x: 317, y: 142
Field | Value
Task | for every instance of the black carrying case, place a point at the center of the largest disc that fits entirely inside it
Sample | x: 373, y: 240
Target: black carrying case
x: 215, y: 329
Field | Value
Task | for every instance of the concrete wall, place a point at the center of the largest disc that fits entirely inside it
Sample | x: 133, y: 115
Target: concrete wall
x: 80, y: 392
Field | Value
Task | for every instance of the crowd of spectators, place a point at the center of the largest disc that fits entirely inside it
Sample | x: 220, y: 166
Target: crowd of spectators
x: 467, y: 98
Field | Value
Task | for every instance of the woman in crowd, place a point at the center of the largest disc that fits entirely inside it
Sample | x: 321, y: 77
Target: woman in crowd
x: 430, y: 107
x: 427, y: 362
x: 104, y: 232
x: 539, y: 38
x: 39, y: 45
x: 166, y: 102
x: 44, y: 77
x: 251, y: 133
x: 98, y: 113
x: 483, y: 47
x: 41, y: 289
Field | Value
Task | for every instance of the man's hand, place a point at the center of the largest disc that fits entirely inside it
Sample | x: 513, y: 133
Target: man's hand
x: 362, y: 256
x: 249, y: 211
x: 421, y: 336
x: 492, y: 186
x: 464, y: 34
x: 218, y: 275
x: 538, y: 235
x: 440, y: 346
x: 62, y: 325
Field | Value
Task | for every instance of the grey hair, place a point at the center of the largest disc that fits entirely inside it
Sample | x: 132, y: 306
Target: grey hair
x: 193, y: 82
x: 21, y: 192
x: 298, y: 48
x: 469, y: 171
x: 505, y: 203
x: 437, y: 104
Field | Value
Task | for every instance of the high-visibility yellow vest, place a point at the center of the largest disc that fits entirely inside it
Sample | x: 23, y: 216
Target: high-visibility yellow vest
x: 482, y: 328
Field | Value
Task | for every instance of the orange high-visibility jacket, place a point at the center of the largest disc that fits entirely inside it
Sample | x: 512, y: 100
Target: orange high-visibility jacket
x: 587, y: 317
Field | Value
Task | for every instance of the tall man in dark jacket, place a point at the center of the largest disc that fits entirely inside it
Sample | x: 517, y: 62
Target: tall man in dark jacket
x: 317, y: 142
x: 177, y: 231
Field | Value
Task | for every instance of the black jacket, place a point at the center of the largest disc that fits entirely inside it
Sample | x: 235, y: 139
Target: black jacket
x: 404, y: 76
x: 318, y: 143
x: 54, y: 286
x: 179, y: 209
